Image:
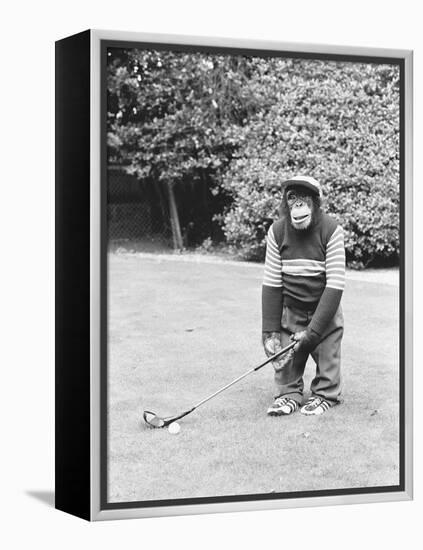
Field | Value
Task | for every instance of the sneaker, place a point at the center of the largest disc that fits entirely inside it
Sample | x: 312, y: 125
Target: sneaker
x: 282, y: 406
x: 315, y: 405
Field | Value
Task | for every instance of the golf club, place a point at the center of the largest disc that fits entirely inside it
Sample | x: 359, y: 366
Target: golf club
x: 155, y: 421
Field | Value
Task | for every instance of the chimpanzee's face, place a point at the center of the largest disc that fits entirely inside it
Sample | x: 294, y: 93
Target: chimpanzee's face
x: 300, y: 205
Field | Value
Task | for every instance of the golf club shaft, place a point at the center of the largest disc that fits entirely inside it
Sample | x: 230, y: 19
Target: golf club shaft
x: 255, y: 369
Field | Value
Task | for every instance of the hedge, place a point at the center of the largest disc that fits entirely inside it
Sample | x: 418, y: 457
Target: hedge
x: 335, y: 121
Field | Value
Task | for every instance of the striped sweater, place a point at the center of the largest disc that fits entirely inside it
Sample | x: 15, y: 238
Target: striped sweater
x: 304, y: 270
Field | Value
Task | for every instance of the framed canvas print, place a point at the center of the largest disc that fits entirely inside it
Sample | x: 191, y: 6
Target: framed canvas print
x: 233, y: 275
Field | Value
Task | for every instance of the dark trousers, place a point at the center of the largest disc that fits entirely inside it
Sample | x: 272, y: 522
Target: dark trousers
x: 327, y: 356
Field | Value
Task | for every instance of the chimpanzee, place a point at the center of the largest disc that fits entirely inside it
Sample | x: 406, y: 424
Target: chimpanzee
x: 303, y: 283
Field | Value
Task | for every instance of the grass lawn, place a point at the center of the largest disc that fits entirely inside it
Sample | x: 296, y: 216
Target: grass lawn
x: 180, y: 330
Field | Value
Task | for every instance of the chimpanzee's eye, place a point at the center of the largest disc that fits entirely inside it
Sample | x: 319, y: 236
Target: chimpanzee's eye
x: 293, y: 196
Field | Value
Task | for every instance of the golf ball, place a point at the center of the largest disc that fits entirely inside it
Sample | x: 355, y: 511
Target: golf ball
x: 174, y: 428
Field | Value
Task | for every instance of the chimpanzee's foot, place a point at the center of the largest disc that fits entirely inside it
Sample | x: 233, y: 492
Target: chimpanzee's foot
x: 315, y: 405
x: 282, y: 406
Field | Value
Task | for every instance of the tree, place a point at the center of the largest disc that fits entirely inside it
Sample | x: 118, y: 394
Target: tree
x: 171, y: 116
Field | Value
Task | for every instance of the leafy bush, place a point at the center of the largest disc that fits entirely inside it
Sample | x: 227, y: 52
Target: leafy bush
x: 335, y: 121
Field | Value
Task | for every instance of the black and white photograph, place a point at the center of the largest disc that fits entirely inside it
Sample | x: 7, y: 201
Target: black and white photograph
x: 252, y: 213
x: 211, y: 275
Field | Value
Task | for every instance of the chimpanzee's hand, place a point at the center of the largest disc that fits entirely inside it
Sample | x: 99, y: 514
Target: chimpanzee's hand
x: 272, y: 344
x: 307, y: 340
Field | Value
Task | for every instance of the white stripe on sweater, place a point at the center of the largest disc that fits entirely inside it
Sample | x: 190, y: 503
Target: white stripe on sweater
x: 302, y: 270
x: 273, y: 263
x: 335, y: 260
x: 333, y: 255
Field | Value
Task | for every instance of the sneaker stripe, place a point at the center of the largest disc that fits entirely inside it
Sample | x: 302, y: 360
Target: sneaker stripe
x: 280, y: 403
x: 292, y: 404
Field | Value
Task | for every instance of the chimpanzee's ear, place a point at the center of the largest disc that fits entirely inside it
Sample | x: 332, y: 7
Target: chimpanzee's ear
x: 267, y: 222
x: 318, y: 201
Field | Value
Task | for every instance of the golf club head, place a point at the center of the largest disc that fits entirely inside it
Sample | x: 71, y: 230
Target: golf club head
x: 153, y: 420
